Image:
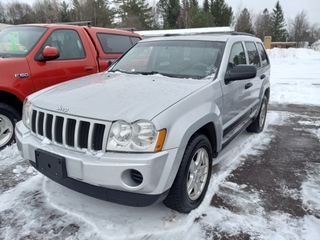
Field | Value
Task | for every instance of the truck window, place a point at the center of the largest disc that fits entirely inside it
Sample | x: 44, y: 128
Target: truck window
x: 67, y: 42
x: 115, y: 43
x: 263, y: 55
x: 253, y: 54
x: 237, y: 56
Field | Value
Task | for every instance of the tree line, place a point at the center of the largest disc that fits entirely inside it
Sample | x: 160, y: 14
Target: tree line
x: 163, y: 14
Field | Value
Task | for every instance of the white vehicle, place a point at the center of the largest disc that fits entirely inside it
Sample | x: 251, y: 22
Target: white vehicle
x: 147, y: 129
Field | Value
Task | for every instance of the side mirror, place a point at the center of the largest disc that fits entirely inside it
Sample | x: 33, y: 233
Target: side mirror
x: 241, y: 72
x: 49, y: 53
x: 110, y: 63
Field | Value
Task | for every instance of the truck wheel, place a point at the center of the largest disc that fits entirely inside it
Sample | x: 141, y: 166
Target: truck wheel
x: 192, y: 180
x: 8, y: 118
x: 258, y: 124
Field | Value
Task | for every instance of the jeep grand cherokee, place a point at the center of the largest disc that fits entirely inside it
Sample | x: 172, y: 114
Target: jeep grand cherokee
x: 147, y: 129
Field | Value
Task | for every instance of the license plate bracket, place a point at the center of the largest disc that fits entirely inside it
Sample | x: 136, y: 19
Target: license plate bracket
x: 50, y: 164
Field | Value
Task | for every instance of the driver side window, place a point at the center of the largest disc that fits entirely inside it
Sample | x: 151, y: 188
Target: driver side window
x: 67, y: 42
x: 237, y: 56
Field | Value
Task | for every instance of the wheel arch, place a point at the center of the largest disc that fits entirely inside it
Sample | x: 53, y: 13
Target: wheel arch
x: 11, y: 100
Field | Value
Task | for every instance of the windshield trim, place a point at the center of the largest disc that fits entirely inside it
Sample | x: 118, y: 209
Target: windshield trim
x: 190, y: 45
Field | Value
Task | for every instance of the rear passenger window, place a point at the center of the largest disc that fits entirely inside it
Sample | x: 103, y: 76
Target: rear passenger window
x: 237, y: 56
x: 253, y: 54
x: 263, y: 55
x: 114, y: 43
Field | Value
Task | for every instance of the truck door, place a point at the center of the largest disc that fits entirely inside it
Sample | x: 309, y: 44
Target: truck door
x: 76, y: 59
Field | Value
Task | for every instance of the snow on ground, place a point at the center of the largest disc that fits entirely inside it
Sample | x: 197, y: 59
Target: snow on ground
x: 295, y: 76
x: 34, y: 207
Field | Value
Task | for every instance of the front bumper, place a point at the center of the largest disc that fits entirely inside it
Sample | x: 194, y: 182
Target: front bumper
x: 106, y: 175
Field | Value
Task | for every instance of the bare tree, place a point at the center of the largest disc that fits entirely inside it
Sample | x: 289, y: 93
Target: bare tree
x: 299, y: 29
x: 46, y: 11
x: 314, y: 33
x: 19, y: 13
x: 2, y: 13
x: 263, y: 24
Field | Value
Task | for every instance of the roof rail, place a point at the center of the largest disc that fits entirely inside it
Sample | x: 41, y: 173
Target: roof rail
x: 76, y: 23
x: 186, y: 31
x: 243, y: 33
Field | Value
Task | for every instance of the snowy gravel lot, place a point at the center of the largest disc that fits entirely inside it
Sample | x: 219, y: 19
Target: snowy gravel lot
x: 264, y: 186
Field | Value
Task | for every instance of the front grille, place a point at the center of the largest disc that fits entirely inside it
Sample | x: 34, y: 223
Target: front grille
x: 68, y: 131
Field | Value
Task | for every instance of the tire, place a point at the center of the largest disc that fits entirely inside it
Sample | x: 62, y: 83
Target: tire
x: 258, y: 124
x: 193, y: 177
x: 8, y: 119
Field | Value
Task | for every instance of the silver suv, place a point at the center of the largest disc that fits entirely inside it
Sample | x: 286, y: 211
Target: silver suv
x: 147, y: 129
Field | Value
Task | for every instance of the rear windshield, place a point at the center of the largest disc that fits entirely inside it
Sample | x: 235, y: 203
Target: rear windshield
x: 18, y: 42
x: 176, y: 58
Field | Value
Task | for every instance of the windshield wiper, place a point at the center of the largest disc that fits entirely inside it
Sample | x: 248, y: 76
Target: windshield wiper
x: 122, y: 71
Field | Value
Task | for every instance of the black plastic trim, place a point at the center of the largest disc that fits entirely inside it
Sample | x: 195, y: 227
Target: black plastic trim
x: 110, y: 195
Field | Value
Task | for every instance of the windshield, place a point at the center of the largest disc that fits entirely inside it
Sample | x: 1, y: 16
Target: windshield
x: 19, y: 41
x: 174, y: 58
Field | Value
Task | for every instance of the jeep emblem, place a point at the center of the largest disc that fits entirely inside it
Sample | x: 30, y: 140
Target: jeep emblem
x: 63, y: 109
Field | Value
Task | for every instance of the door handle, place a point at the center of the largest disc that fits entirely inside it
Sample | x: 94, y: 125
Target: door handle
x: 248, y: 85
x: 89, y: 69
x: 262, y: 76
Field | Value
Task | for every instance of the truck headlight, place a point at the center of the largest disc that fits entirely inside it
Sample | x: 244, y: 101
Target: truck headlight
x: 26, y: 113
x: 140, y: 136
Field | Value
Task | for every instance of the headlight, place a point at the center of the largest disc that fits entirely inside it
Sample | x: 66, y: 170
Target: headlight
x: 26, y: 113
x: 135, y: 137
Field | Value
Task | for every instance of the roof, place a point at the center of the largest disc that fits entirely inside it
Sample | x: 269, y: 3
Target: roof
x: 215, y: 37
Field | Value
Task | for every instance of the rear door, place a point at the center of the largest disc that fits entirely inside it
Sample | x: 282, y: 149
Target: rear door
x: 76, y: 57
x: 254, y: 59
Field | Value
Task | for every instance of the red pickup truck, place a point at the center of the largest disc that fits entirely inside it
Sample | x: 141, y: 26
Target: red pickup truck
x: 36, y: 56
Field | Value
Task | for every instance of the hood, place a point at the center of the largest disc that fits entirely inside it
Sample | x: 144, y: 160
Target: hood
x: 114, y: 96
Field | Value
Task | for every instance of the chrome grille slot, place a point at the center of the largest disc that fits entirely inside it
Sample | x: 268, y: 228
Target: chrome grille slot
x: 48, y: 124
x: 40, y: 123
x: 70, y: 132
x: 98, y: 131
x: 83, y: 134
x: 71, y: 127
x: 58, y: 130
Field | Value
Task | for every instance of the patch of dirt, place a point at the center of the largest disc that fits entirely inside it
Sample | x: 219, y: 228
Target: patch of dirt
x: 277, y: 173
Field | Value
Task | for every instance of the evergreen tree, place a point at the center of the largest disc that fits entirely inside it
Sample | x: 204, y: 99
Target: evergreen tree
x: 221, y: 12
x: 103, y: 14
x: 135, y: 14
x: 64, y: 12
x: 170, y: 10
x: 263, y: 25
x: 184, y: 18
x: 244, y: 22
x: 279, y: 32
x: 206, y: 6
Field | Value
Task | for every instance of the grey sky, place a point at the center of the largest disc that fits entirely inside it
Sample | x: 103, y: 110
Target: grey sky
x: 290, y: 8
